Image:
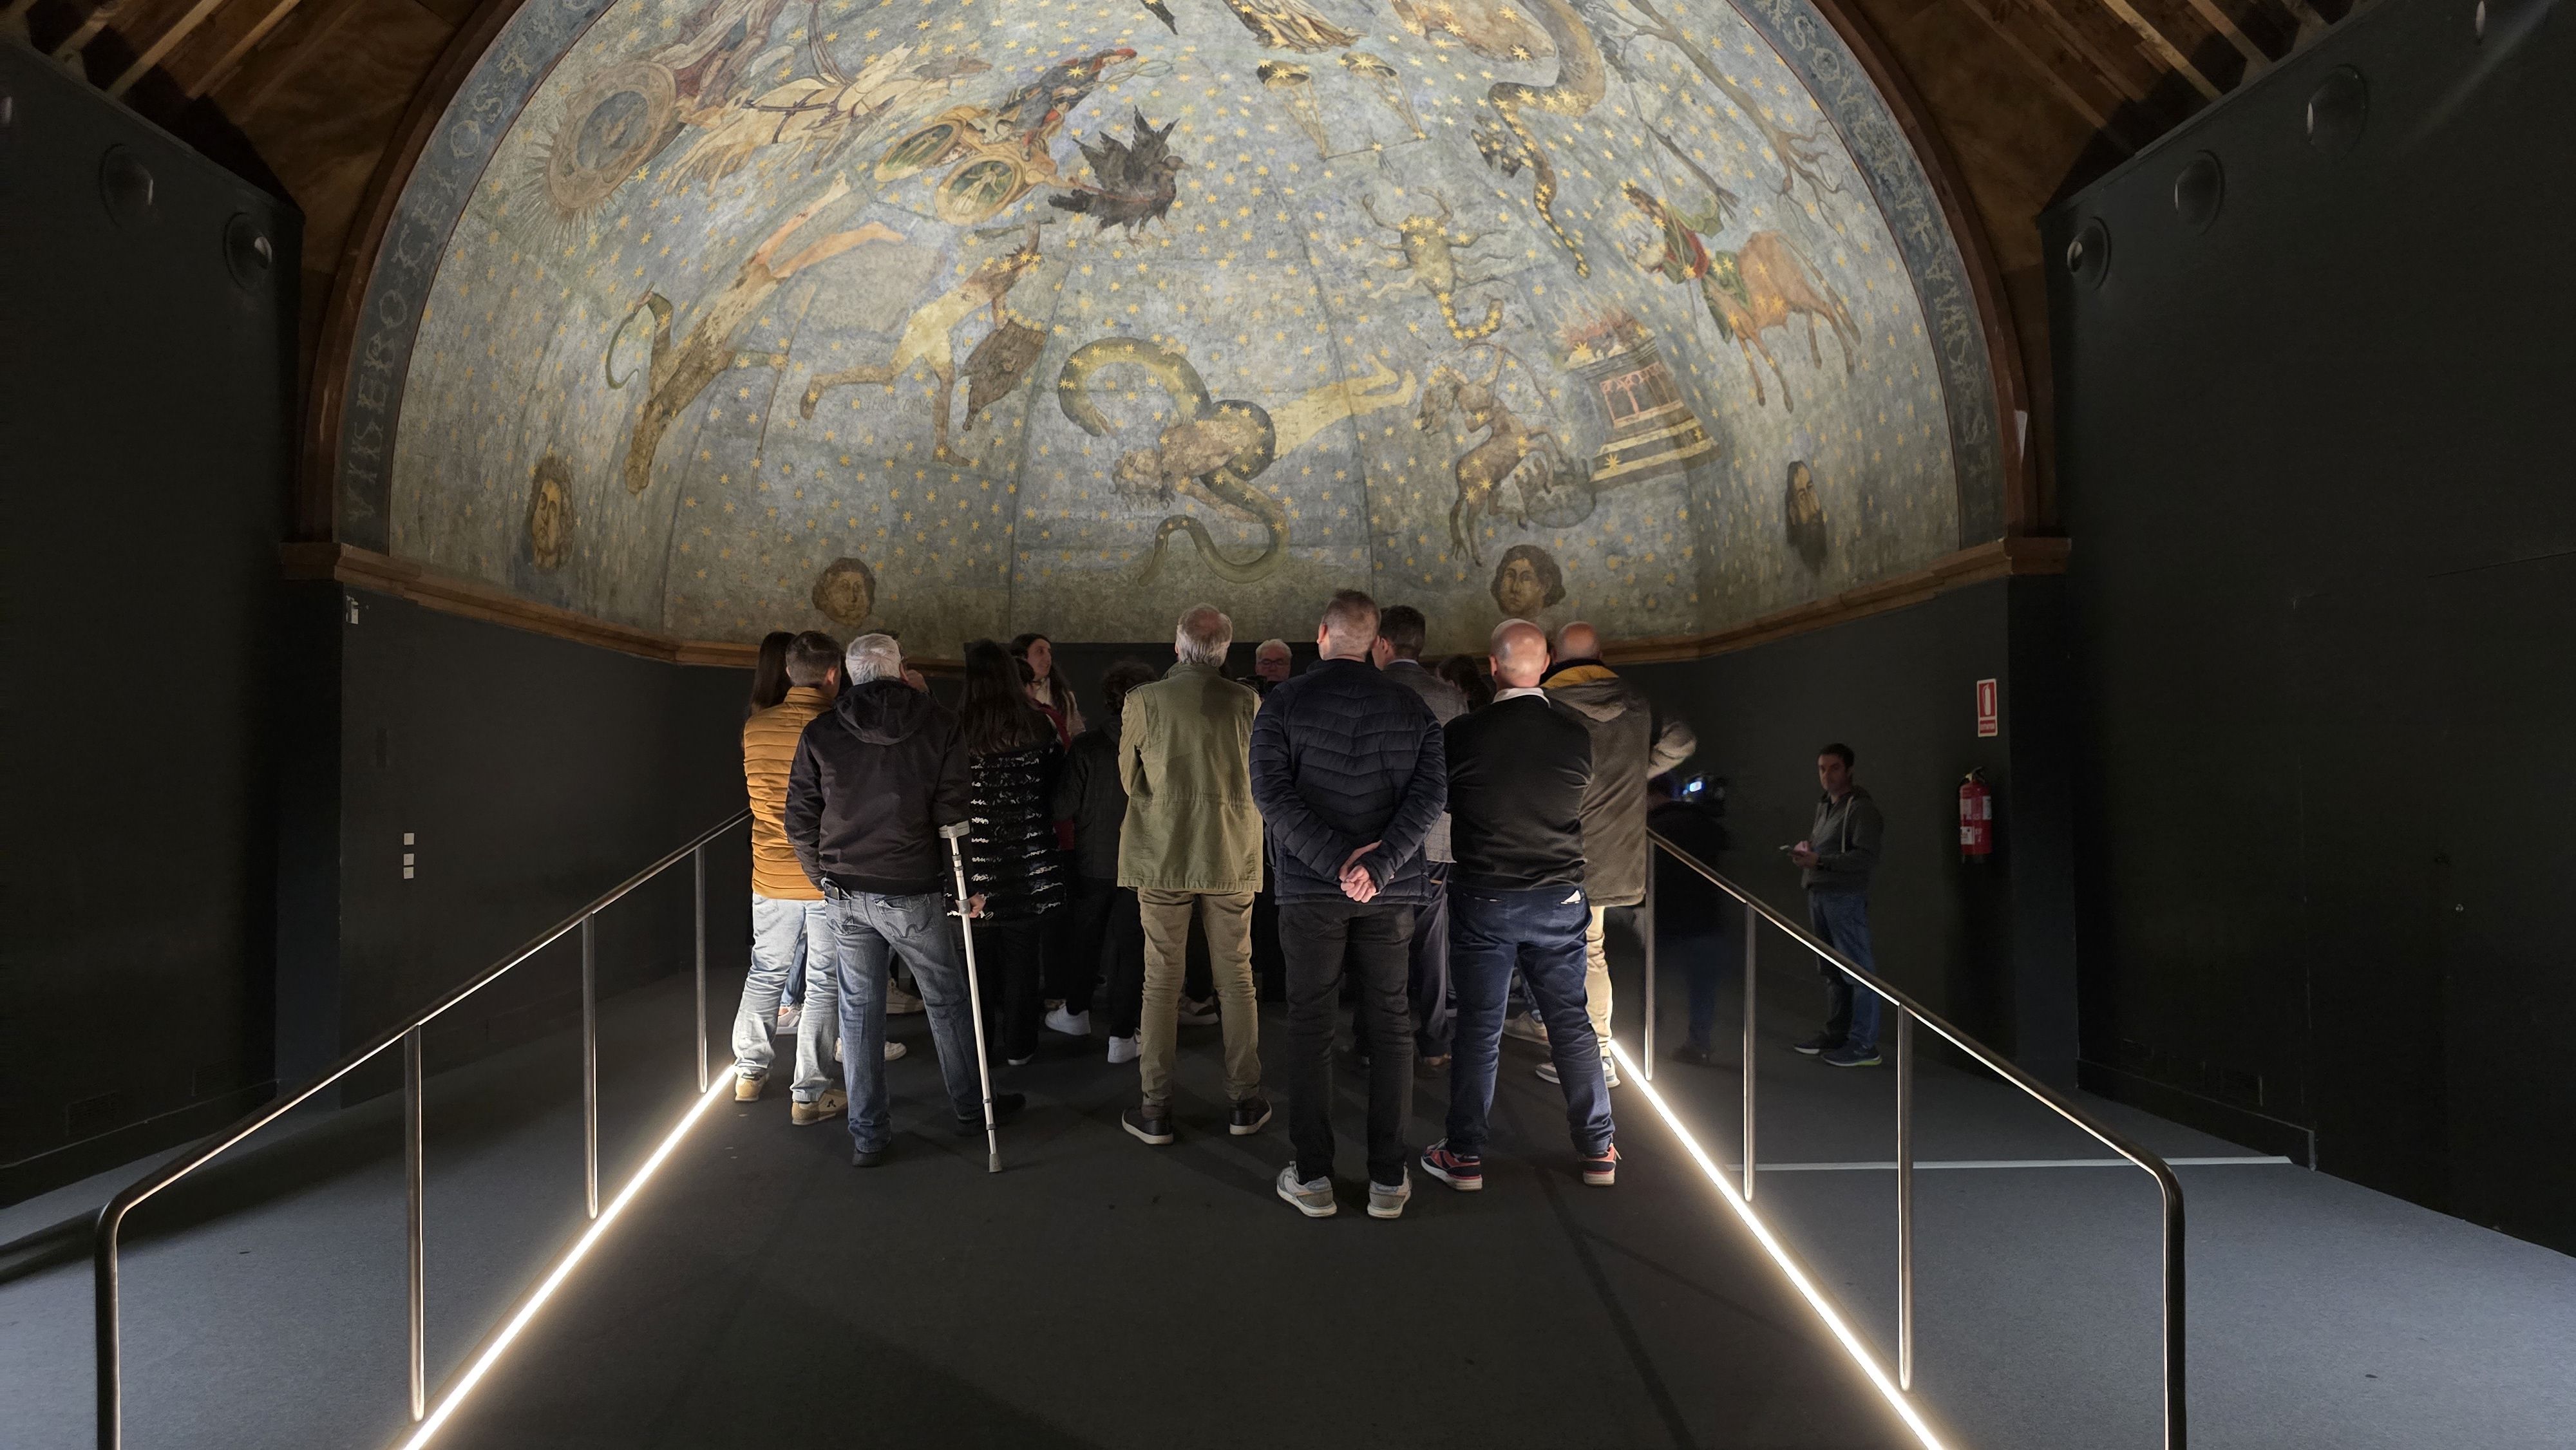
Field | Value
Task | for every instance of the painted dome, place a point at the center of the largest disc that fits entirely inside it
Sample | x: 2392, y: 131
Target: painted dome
x: 957, y: 318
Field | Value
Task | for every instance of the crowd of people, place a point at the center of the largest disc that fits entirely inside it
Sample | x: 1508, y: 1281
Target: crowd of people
x: 1433, y: 842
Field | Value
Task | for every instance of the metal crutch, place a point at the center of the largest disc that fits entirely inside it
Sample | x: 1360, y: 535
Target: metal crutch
x: 956, y: 836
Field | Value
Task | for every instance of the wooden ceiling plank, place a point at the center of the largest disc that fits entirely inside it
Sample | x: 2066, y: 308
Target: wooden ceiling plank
x: 237, y: 31
x: 2225, y: 24
x: 2084, y: 105
x: 2165, y: 49
x: 162, y: 45
x: 263, y: 71
x: 2064, y: 27
x: 82, y: 34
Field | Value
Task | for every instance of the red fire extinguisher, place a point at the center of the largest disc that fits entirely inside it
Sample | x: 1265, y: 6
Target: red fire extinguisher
x: 1976, y: 818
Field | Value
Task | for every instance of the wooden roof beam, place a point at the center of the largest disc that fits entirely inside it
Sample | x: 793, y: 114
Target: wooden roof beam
x: 148, y: 56
x: 2163, y: 49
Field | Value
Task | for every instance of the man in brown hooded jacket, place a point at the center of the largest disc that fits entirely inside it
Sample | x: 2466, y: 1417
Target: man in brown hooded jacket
x: 1631, y: 744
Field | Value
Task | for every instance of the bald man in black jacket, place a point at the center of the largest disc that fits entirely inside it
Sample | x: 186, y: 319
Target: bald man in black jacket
x: 1518, y: 770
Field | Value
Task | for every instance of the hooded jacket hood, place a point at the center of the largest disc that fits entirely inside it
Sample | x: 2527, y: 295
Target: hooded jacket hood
x: 884, y: 712
x: 1593, y: 690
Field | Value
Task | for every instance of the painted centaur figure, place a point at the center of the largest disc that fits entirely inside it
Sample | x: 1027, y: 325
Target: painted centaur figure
x: 1749, y: 291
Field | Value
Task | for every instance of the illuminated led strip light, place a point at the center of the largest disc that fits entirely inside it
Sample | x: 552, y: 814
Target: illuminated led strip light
x: 509, y: 1332
x: 1816, y: 1300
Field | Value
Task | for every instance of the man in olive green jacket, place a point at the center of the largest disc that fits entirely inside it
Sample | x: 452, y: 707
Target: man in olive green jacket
x: 1191, y: 844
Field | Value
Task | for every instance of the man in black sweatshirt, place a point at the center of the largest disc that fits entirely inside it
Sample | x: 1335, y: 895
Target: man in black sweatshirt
x: 875, y: 778
x: 1518, y: 769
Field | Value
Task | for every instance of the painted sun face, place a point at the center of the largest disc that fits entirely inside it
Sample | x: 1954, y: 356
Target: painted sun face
x: 1519, y: 590
x: 846, y: 592
x: 550, y: 513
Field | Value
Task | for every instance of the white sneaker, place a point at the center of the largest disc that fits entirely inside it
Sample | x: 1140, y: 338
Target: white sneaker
x: 1123, y: 1050
x: 788, y: 1017
x: 1071, y: 1024
x: 1385, y: 1202
x: 1526, y: 1027
x: 1313, y: 1199
x: 1609, y: 1072
x: 901, y: 1003
x: 895, y: 1050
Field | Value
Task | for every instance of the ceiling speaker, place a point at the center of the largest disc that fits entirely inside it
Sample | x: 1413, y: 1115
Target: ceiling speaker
x: 2088, y: 257
x: 2338, y: 110
x: 2198, y: 191
x: 125, y: 185
x: 248, y: 252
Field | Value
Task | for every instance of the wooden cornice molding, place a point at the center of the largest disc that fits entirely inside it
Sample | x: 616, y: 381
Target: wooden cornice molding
x: 380, y: 574
x: 366, y: 569
x: 2000, y: 559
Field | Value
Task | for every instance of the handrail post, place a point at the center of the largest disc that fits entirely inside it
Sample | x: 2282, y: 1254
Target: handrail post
x: 1752, y: 925
x: 590, y: 1061
x: 700, y: 856
x: 415, y: 1261
x: 2176, y: 1408
x: 1646, y: 929
x: 110, y: 1372
x: 1904, y: 1199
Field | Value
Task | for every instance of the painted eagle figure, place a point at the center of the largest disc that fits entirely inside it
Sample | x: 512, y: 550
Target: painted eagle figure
x: 1132, y: 182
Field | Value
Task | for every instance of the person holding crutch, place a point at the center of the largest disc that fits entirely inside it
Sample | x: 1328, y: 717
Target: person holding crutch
x: 875, y: 780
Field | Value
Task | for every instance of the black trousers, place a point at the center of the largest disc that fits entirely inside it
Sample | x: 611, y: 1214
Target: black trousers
x: 1104, y: 937
x: 1321, y: 940
x: 1426, y: 984
x: 1009, y: 962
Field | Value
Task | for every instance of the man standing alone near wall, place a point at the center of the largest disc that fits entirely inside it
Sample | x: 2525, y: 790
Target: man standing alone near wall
x: 1834, y: 863
x: 1347, y: 767
x: 1191, y: 846
x: 1631, y: 744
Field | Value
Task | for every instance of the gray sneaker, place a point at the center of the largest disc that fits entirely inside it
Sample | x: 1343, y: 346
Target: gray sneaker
x: 1313, y: 1199
x: 1385, y: 1202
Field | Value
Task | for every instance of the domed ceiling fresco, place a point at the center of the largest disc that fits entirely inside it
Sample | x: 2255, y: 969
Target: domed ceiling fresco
x: 961, y: 317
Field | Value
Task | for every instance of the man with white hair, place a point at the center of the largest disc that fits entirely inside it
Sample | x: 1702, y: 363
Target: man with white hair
x: 1270, y: 664
x: 875, y: 778
x: 1518, y: 769
x: 1191, y: 849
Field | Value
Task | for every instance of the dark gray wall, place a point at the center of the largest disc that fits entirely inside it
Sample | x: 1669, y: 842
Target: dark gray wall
x: 1989, y: 945
x: 145, y: 415
x: 532, y: 774
x: 2314, y: 461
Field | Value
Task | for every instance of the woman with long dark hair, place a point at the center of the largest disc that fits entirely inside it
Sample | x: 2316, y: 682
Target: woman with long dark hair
x: 1470, y: 678
x: 1011, y: 857
x: 1047, y: 689
x: 769, y: 673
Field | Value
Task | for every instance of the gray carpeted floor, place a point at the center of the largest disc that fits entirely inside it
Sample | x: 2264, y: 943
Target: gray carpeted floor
x: 1102, y: 1293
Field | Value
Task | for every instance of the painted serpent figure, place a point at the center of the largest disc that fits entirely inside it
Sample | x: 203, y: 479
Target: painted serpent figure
x: 1214, y: 448
x: 1510, y: 146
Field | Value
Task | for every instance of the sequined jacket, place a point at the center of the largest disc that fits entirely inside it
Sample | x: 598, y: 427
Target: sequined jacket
x: 1011, y: 854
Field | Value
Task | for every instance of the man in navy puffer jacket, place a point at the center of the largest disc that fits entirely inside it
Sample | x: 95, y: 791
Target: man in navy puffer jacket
x: 1348, y: 771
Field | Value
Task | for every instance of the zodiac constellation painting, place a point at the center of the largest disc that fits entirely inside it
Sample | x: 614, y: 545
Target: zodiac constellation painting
x: 1492, y: 308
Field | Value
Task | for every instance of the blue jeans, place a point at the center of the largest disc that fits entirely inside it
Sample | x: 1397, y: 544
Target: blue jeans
x: 784, y: 934
x: 1841, y: 919
x: 1541, y: 932
x: 874, y: 929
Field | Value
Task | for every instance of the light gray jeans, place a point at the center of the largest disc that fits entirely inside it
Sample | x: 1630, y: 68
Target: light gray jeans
x: 781, y: 932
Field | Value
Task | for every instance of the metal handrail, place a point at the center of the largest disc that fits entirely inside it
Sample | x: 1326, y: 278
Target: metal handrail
x: 111, y: 1216
x: 1909, y: 1011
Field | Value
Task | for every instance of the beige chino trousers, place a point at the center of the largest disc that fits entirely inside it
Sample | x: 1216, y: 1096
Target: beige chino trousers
x: 1596, y: 978
x: 1227, y: 918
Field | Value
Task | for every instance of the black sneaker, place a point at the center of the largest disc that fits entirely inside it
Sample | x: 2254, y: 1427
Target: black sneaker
x: 1694, y: 1053
x: 1006, y: 1106
x: 1816, y: 1045
x: 1151, y: 1123
x: 866, y: 1157
x: 1249, y: 1116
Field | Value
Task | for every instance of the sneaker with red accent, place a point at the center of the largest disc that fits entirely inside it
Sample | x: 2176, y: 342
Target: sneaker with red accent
x: 1462, y: 1171
x: 1602, y: 1169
